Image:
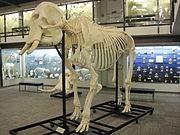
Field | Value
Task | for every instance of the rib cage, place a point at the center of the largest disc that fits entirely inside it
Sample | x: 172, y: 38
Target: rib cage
x: 105, y: 54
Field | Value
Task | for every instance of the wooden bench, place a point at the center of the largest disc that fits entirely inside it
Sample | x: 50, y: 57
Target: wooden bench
x: 30, y: 84
x: 142, y: 91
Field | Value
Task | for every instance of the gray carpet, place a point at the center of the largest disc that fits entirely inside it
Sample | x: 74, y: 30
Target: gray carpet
x: 21, y: 108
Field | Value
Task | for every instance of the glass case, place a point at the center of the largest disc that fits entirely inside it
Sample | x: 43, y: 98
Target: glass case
x: 1, y: 24
x: 164, y: 11
x: 109, y: 11
x: 43, y: 63
x: 10, y: 64
x: 63, y: 9
x: 12, y: 21
x: 80, y: 9
x: 84, y: 74
x: 27, y: 15
x: 46, y: 64
x: 142, y: 12
x: 159, y: 64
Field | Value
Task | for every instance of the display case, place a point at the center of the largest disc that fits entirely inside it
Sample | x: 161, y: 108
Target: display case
x: 27, y: 15
x: 109, y: 11
x: 84, y: 74
x: 10, y: 64
x: 43, y: 63
x: 157, y: 64
x: 80, y: 9
x: 12, y: 21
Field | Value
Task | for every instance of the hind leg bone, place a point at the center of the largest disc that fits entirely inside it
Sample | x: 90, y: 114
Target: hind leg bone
x: 128, y: 82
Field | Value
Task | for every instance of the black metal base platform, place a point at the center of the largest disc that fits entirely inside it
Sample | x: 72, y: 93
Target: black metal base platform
x: 60, y: 95
x: 97, y: 126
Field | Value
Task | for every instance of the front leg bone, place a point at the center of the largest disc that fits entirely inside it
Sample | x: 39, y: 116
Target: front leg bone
x: 74, y: 77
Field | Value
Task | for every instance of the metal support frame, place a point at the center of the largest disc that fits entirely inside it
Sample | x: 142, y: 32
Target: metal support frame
x: 5, y: 35
x: 1, y: 71
x: 96, y: 127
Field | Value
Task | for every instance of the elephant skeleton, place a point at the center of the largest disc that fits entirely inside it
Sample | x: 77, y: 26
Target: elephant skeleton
x: 98, y: 48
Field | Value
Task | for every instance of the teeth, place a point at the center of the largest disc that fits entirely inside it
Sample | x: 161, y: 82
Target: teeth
x: 33, y: 47
x: 26, y: 46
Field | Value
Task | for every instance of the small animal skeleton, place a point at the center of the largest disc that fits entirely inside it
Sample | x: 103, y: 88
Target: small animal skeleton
x: 98, y: 48
x: 9, y: 66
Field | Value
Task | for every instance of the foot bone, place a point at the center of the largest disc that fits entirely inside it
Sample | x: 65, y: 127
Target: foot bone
x: 127, y: 108
x: 76, y: 114
x: 84, y: 125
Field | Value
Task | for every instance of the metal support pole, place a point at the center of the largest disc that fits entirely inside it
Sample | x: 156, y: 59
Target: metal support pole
x: 58, y: 51
x: 93, y: 12
x: 5, y: 35
x: 63, y: 82
x: 158, y: 16
x: 171, y: 14
x: 66, y: 11
x: 1, y: 65
x: 124, y: 16
x: 22, y: 21
x: 116, y: 95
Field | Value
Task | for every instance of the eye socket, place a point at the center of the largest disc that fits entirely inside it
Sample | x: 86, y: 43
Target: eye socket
x: 35, y: 16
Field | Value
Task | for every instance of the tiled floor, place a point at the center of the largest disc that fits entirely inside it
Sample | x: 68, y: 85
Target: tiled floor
x: 21, y: 108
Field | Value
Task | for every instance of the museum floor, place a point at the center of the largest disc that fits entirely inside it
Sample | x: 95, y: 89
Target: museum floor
x: 21, y: 108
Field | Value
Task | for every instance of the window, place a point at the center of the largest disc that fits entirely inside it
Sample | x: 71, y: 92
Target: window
x: 43, y: 63
x: 27, y: 16
x: 164, y: 11
x: 1, y: 24
x: 12, y: 21
x: 11, y: 64
x: 63, y: 9
x: 141, y: 12
x: 147, y: 12
x: 109, y: 12
x: 80, y: 9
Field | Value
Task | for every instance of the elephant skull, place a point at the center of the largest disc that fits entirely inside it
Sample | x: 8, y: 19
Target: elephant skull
x: 45, y: 27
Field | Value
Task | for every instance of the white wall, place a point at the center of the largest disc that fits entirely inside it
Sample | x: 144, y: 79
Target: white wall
x: 148, y: 30
x: 13, y: 39
x: 11, y: 82
x: 162, y: 87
